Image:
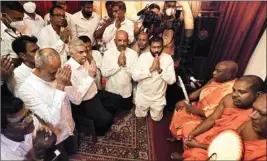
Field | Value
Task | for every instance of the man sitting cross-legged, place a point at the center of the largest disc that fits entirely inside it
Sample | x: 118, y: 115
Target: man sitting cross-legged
x: 233, y: 110
x: 210, y: 95
x: 252, y: 132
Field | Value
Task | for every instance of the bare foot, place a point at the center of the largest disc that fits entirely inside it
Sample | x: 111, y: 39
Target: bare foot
x: 176, y: 156
x: 172, y: 139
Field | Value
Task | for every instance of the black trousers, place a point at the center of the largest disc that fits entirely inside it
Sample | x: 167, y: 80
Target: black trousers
x: 94, y: 110
x: 67, y: 147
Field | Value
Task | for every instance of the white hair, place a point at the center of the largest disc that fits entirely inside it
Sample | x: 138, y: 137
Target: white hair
x: 43, y: 56
x: 74, y: 43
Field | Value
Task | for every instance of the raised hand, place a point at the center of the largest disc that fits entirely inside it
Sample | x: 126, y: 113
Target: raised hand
x: 63, y: 77
x: 92, y: 69
x: 7, y: 66
x: 122, y: 59
x: 155, y: 64
x: 65, y: 34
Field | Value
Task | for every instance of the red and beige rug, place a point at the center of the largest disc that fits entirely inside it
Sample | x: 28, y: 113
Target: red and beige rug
x: 129, y: 139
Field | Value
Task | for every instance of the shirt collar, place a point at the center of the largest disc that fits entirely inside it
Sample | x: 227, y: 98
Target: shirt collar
x: 26, y: 67
x: 28, y: 17
x: 74, y: 63
x: 41, y: 80
x: 13, y: 145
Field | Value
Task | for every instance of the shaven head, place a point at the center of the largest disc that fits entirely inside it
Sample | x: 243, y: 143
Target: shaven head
x: 225, y: 71
x: 246, y: 90
x: 258, y: 116
x: 47, y: 62
x: 121, y: 40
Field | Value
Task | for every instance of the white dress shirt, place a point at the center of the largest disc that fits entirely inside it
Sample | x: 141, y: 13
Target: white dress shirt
x: 20, y: 74
x: 50, y: 104
x: 33, y: 26
x: 48, y: 38
x: 12, y: 150
x: 110, y: 32
x: 6, y: 41
x: 47, y: 18
x: 152, y: 86
x: 81, y: 79
x: 82, y: 26
x: 119, y: 79
x: 98, y: 58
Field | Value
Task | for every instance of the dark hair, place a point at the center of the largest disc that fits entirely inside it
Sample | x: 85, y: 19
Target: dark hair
x: 265, y: 85
x: 171, y: 1
x: 11, y: 5
x: 154, y: 5
x: 55, y: 2
x: 82, y: 3
x: 121, y: 5
x: 51, y: 11
x: 85, y: 39
x: 19, y: 44
x: 109, y: 3
x: 156, y: 38
x: 9, y: 105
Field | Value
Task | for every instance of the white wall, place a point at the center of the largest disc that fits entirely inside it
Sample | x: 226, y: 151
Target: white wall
x: 257, y: 62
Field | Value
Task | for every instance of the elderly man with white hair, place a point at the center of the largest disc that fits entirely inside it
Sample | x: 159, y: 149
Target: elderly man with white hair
x: 50, y: 101
x: 92, y: 106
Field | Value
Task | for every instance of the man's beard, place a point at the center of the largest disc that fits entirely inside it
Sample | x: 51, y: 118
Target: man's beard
x: 155, y: 53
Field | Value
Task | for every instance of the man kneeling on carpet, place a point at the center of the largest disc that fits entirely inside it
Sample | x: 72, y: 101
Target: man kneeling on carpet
x: 153, y: 71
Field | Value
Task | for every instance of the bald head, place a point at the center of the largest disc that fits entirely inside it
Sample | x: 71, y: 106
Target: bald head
x: 47, y: 62
x: 258, y: 116
x: 45, y: 57
x: 121, y: 40
x: 121, y: 33
x: 255, y: 83
x: 142, y: 41
x: 225, y: 71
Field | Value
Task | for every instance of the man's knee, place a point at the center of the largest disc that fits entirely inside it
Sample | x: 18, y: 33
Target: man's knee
x: 105, y: 120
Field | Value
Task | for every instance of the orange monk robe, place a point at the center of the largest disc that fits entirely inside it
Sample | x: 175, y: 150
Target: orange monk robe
x: 255, y: 150
x: 231, y: 118
x: 210, y: 97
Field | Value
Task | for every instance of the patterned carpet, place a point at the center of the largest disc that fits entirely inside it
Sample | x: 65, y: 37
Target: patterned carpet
x: 129, y: 139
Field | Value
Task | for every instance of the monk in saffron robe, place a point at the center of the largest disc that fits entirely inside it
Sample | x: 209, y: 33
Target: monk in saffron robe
x: 233, y: 111
x: 209, y: 96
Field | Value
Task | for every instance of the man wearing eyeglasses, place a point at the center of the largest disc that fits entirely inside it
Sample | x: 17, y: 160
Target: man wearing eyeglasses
x: 62, y: 4
x: 55, y: 35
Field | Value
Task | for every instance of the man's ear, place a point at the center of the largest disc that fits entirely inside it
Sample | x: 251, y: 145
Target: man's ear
x: 22, y: 56
x: 259, y: 93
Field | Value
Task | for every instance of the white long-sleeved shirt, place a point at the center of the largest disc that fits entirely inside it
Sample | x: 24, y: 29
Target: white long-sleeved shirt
x: 47, y: 18
x: 81, y: 79
x: 6, y: 41
x: 153, y: 85
x: 20, y: 74
x: 33, y: 26
x: 110, y: 32
x: 119, y: 79
x: 48, y: 38
x: 98, y: 58
x: 82, y: 26
x: 12, y: 150
x: 50, y: 104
